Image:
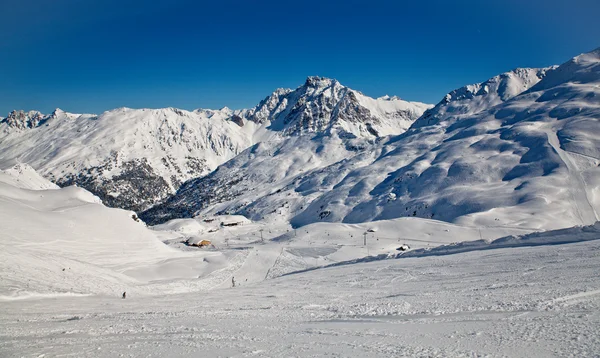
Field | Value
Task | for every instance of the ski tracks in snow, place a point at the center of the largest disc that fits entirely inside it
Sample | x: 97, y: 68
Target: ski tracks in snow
x: 578, y: 188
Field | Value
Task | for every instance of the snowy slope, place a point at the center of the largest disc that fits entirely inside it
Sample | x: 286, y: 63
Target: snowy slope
x: 25, y: 177
x: 491, y: 156
x: 65, y: 259
x: 134, y: 158
x: 63, y: 241
x: 541, y: 301
x: 472, y: 99
x: 259, y: 172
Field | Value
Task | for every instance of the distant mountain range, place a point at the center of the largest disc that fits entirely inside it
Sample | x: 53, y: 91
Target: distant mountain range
x: 134, y: 158
x: 521, y: 149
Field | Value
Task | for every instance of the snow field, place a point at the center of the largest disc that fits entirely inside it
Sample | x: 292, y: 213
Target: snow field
x: 530, y: 301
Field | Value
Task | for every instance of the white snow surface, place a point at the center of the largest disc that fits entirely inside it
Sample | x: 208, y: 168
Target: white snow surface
x: 25, y: 177
x: 499, y: 301
x: 176, y: 144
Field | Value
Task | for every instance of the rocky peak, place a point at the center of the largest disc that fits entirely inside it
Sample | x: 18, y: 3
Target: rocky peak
x: 237, y: 119
x: 322, y: 104
x: 24, y: 120
x: 319, y: 82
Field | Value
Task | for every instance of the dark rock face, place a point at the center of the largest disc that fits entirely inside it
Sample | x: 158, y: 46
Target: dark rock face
x: 193, y: 196
x: 136, y: 188
x: 237, y: 120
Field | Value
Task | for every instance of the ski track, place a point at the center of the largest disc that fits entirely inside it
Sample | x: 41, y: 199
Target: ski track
x: 578, y: 188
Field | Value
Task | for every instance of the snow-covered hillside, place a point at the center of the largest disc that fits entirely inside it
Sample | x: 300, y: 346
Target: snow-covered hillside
x: 531, y: 161
x: 133, y: 158
x: 520, y: 149
x: 25, y: 177
x: 478, y: 97
x: 63, y: 241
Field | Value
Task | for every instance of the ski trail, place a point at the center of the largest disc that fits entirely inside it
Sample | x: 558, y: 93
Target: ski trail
x: 274, y: 263
x: 586, y: 211
x: 577, y: 296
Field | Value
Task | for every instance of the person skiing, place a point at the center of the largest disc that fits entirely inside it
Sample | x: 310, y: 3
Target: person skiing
x: 232, y: 281
x: 124, y: 295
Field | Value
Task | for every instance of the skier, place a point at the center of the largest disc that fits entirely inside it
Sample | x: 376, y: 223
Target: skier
x: 232, y: 281
x: 124, y: 295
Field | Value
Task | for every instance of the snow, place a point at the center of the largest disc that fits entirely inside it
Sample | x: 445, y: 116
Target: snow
x: 521, y: 301
x: 65, y: 241
x: 67, y: 145
x: 25, y: 177
x: 65, y: 260
x: 475, y: 98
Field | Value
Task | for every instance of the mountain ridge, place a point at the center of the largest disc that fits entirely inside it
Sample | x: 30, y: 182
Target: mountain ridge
x: 134, y: 158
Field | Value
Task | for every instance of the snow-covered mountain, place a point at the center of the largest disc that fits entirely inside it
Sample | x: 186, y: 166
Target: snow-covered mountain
x: 521, y: 149
x: 133, y: 158
x: 323, y: 104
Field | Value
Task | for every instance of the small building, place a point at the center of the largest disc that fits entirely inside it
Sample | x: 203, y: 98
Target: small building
x: 231, y: 223
x: 203, y: 243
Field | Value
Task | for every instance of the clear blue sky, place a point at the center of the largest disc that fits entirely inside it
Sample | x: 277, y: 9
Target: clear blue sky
x: 90, y: 56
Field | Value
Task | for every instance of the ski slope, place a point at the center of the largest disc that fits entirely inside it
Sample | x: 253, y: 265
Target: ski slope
x: 63, y: 241
x: 518, y: 302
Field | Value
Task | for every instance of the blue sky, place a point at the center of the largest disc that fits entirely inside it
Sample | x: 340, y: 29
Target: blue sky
x: 90, y: 56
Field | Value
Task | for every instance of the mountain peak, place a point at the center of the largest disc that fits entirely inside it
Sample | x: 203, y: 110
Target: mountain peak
x: 477, y: 97
x: 57, y: 112
x: 316, y: 81
x: 581, y: 69
x: 592, y: 56
x: 389, y: 98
